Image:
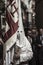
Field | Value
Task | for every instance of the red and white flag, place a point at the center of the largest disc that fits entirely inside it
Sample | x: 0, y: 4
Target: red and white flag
x: 11, y: 21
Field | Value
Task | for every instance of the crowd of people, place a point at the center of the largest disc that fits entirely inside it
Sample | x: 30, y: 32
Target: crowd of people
x: 36, y: 39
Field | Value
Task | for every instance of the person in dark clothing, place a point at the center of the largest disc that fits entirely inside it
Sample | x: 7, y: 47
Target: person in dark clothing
x: 41, y: 48
x: 35, y: 43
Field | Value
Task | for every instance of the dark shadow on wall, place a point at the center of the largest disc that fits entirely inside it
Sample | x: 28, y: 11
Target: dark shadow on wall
x: 39, y: 13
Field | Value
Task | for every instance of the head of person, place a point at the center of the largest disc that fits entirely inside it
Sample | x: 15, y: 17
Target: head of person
x: 34, y: 32
x: 29, y: 33
x: 41, y: 31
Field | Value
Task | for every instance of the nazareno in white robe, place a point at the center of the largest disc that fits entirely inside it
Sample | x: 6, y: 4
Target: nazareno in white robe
x: 26, y: 52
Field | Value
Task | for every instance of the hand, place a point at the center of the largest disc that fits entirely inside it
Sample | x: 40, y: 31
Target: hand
x: 17, y: 56
x: 17, y: 53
